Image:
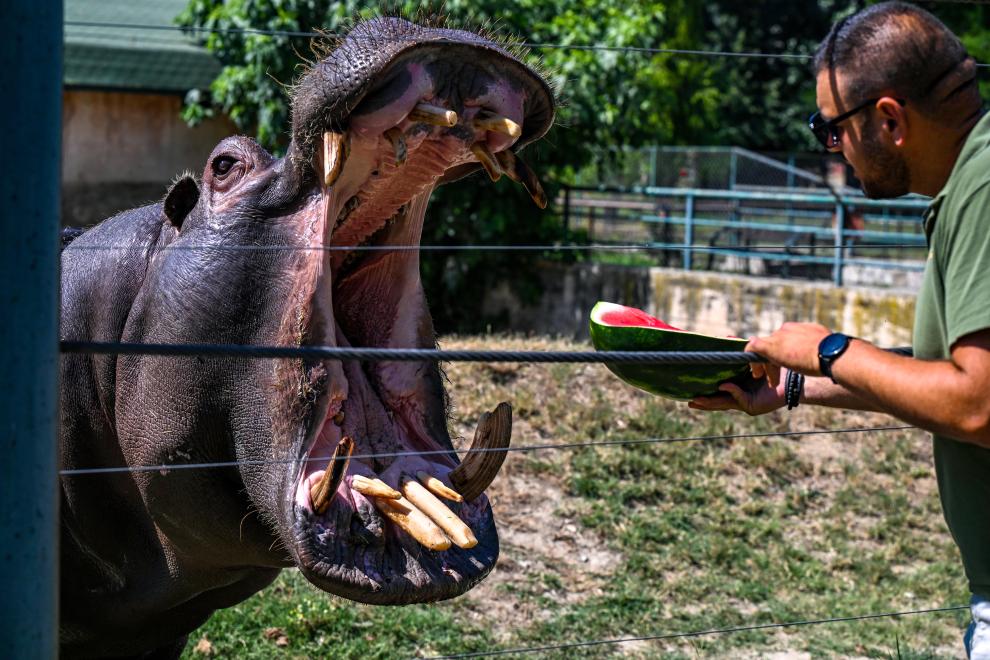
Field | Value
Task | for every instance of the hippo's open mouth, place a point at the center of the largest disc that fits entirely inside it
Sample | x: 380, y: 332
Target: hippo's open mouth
x: 380, y: 527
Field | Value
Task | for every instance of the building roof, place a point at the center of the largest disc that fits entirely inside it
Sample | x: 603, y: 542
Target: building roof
x: 100, y: 52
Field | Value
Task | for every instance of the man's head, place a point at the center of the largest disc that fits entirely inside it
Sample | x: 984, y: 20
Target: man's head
x: 900, y: 74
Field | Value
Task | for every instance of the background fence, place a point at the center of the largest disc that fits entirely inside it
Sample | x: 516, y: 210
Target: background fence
x: 733, y: 210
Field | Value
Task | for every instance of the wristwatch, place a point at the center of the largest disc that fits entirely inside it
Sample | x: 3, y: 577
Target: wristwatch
x: 829, y: 350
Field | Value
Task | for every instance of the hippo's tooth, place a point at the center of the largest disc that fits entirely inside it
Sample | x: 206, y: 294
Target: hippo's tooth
x: 424, y: 113
x: 374, y: 487
x: 487, y: 121
x: 437, y: 511
x: 394, y: 136
x: 322, y: 492
x: 487, y: 160
x: 334, y: 155
x: 338, y: 419
x: 483, y: 461
x: 518, y: 171
x: 438, y: 487
x: 413, y: 521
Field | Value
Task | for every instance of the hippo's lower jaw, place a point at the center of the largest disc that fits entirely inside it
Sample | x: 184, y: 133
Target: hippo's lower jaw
x: 373, y: 529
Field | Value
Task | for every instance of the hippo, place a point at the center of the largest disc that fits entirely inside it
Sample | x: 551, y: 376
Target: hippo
x: 342, y: 469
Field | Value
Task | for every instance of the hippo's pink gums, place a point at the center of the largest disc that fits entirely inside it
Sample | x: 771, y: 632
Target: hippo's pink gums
x: 241, y: 257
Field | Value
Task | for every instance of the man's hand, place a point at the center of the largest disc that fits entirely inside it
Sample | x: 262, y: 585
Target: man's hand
x: 759, y: 398
x: 794, y: 345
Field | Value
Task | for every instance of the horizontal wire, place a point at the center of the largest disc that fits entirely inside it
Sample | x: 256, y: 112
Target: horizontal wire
x: 410, y: 354
x: 484, y: 450
x: 532, y: 45
x: 335, y: 35
x: 604, y: 247
x: 698, y: 633
x: 419, y: 354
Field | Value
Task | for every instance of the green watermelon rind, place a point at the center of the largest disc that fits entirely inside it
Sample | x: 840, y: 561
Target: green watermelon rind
x: 680, y: 382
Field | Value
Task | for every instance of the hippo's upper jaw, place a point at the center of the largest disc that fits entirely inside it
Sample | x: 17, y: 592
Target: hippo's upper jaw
x: 432, y: 105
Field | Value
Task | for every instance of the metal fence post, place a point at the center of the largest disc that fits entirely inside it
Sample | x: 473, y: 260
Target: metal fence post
x: 31, y: 53
x: 688, y: 229
x: 733, y: 167
x: 840, y: 221
x: 567, y: 212
x: 654, y: 164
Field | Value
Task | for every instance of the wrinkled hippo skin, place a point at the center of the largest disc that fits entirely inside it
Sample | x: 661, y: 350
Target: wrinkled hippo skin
x: 260, y: 250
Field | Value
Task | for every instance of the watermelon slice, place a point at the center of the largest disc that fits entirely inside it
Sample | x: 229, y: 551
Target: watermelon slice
x: 619, y: 328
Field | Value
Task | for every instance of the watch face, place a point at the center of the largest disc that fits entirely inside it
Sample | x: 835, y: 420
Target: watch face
x: 833, y: 344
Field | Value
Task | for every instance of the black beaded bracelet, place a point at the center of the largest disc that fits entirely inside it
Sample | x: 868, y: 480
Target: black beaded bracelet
x: 793, y: 388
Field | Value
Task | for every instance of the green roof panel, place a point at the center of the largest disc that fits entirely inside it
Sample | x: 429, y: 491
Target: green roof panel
x: 111, y: 55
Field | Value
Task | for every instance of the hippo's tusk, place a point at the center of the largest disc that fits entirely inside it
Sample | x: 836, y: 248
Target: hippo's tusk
x: 483, y: 461
x: 487, y: 160
x: 334, y: 155
x: 413, y: 521
x: 425, y: 113
x: 322, y: 493
x: 338, y: 419
x: 394, y: 135
x: 438, y: 487
x: 518, y: 171
x: 374, y: 488
x: 487, y: 121
x: 437, y: 511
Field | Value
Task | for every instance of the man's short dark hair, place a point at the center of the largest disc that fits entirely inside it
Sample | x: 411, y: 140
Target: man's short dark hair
x: 892, y: 46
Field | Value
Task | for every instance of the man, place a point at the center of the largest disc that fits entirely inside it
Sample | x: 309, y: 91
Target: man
x: 898, y: 98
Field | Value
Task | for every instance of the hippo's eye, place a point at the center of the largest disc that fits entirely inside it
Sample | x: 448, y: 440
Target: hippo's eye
x: 223, y: 164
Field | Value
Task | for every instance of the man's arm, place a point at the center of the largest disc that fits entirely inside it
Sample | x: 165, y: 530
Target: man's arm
x: 949, y: 397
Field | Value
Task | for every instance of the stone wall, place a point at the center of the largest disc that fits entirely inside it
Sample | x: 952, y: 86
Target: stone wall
x: 706, y: 302
x: 122, y: 149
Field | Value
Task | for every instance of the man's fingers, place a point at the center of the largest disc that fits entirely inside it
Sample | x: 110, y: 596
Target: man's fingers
x: 758, y: 369
x: 723, y: 401
x: 773, y: 374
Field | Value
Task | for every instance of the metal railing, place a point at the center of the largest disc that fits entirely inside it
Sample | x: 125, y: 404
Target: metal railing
x: 823, y: 232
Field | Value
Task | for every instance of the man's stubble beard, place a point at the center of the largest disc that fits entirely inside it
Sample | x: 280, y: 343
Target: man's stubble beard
x: 887, y: 174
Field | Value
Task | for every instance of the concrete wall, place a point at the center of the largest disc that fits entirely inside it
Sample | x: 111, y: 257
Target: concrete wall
x: 707, y: 302
x: 121, y: 150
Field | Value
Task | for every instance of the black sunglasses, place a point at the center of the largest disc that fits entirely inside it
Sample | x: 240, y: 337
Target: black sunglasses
x: 827, y: 132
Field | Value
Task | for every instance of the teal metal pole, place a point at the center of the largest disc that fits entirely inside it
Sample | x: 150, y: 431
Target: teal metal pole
x: 31, y: 77
x: 654, y: 164
x: 733, y: 165
x: 840, y: 221
x: 688, y: 230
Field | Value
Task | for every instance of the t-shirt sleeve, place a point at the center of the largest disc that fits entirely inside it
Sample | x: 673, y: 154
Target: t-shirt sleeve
x: 966, y: 257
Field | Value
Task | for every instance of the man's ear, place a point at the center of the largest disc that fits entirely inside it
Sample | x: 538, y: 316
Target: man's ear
x: 893, y: 118
x: 180, y: 200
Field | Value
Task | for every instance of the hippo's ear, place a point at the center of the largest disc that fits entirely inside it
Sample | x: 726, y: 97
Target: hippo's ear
x: 180, y: 200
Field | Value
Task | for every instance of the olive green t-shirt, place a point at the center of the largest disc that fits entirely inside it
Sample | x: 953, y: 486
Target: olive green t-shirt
x: 954, y: 301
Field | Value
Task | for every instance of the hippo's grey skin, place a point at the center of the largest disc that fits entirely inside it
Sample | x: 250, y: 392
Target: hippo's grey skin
x: 146, y: 557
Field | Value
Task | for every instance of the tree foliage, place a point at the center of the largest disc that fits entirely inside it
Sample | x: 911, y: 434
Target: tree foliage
x: 609, y: 98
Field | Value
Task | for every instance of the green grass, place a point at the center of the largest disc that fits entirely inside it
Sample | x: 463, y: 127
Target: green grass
x: 698, y: 536
x: 293, y: 619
